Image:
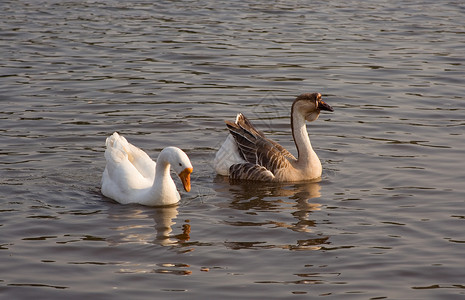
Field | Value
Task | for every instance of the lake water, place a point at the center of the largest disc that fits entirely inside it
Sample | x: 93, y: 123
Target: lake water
x: 386, y: 221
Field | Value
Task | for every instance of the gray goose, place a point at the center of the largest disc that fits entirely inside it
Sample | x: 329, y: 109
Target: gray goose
x: 247, y: 154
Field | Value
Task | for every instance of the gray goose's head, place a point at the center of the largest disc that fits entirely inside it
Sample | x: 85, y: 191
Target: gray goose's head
x: 310, y: 105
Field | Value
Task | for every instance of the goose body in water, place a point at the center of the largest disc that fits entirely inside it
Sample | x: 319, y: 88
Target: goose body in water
x: 131, y: 176
x: 248, y: 155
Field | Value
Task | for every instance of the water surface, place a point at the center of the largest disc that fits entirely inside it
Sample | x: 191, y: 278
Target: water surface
x: 384, y: 222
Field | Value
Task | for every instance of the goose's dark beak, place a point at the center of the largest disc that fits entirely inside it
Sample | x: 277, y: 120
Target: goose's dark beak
x: 324, y: 106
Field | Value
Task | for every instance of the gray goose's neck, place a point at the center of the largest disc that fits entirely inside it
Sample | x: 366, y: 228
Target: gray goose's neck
x: 301, y: 139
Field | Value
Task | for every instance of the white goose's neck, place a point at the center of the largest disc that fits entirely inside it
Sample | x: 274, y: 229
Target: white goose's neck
x: 163, y: 189
x: 305, y: 153
x: 162, y: 170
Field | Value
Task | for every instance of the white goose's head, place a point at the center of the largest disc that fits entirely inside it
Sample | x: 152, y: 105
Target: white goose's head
x: 181, y: 164
x: 309, y: 105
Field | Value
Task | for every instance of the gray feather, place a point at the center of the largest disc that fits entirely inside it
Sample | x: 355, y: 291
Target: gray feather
x: 262, y: 154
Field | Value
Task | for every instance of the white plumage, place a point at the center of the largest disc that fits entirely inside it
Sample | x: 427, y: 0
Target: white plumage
x: 131, y: 176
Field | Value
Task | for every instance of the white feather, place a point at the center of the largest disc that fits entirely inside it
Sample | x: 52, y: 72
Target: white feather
x: 227, y: 156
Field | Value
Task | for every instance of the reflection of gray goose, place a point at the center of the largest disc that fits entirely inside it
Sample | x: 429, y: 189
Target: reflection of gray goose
x: 247, y: 154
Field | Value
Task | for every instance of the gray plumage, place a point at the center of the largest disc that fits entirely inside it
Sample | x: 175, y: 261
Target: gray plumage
x: 264, y: 157
x: 247, y: 154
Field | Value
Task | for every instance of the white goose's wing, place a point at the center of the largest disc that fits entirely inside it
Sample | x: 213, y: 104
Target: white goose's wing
x: 121, y: 177
x: 264, y: 157
x: 138, y: 158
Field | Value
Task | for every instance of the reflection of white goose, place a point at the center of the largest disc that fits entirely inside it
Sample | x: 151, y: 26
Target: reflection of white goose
x: 131, y: 176
x: 164, y: 219
x: 132, y: 226
x: 248, y: 154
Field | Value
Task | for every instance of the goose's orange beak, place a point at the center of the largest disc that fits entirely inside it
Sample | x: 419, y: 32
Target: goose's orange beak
x: 185, y: 176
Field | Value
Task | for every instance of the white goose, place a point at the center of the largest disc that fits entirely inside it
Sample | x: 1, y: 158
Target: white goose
x: 248, y: 155
x: 131, y: 176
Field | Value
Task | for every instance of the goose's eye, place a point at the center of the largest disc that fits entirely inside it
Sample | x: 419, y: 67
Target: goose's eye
x: 180, y: 164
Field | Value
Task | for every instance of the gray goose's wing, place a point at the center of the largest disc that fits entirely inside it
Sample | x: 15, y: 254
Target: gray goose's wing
x: 248, y: 171
x: 244, y: 123
x: 263, y: 155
